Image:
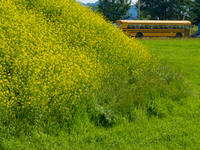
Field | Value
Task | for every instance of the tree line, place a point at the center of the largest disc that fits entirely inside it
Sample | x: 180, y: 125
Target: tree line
x: 152, y: 9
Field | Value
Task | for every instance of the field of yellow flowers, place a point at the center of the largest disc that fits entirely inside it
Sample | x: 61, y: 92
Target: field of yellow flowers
x: 53, y: 53
x: 57, y: 57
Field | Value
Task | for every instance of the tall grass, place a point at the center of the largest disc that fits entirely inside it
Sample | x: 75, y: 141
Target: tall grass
x: 59, y: 62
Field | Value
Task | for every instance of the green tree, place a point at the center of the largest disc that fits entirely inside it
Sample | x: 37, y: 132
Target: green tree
x: 197, y: 12
x: 167, y: 9
x: 114, y: 9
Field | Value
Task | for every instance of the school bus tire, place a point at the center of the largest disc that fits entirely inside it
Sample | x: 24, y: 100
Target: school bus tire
x: 139, y: 35
x: 178, y: 35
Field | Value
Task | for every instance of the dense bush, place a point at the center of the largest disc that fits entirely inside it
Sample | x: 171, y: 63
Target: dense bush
x: 57, y: 57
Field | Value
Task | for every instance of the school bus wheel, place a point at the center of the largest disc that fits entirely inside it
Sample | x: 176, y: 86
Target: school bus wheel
x: 139, y: 35
x: 178, y: 35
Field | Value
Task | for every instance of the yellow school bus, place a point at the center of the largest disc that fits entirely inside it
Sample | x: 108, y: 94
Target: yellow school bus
x: 155, y: 28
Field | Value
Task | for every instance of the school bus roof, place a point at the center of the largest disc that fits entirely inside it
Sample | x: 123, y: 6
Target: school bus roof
x: 155, y: 21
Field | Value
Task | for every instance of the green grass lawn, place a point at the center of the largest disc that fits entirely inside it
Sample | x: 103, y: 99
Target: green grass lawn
x: 184, y: 54
x: 177, y: 130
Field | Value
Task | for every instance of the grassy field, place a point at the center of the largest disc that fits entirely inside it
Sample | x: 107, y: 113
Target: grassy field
x: 183, y: 54
x: 67, y: 83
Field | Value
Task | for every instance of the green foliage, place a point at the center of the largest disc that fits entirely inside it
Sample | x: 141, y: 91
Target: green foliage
x: 194, y: 29
x: 114, y: 9
x: 167, y: 10
x: 197, y: 12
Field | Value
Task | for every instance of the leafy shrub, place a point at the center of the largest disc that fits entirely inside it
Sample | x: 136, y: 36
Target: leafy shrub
x: 57, y: 57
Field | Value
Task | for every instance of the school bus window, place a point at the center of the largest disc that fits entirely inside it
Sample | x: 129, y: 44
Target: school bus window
x: 137, y: 26
x: 187, y: 27
x: 174, y: 26
x: 170, y: 26
x: 182, y: 26
x: 119, y: 25
x: 146, y: 26
x: 165, y: 26
x: 128, y: 26
x: 178, y: 26
x: 151, y: 26
x: 142, y: 26
x: 155, y: 26
x: 160, y: 26
x: 133, y: 26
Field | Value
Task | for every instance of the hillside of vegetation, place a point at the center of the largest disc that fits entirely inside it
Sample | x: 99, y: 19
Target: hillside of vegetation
x: 60, y: 62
